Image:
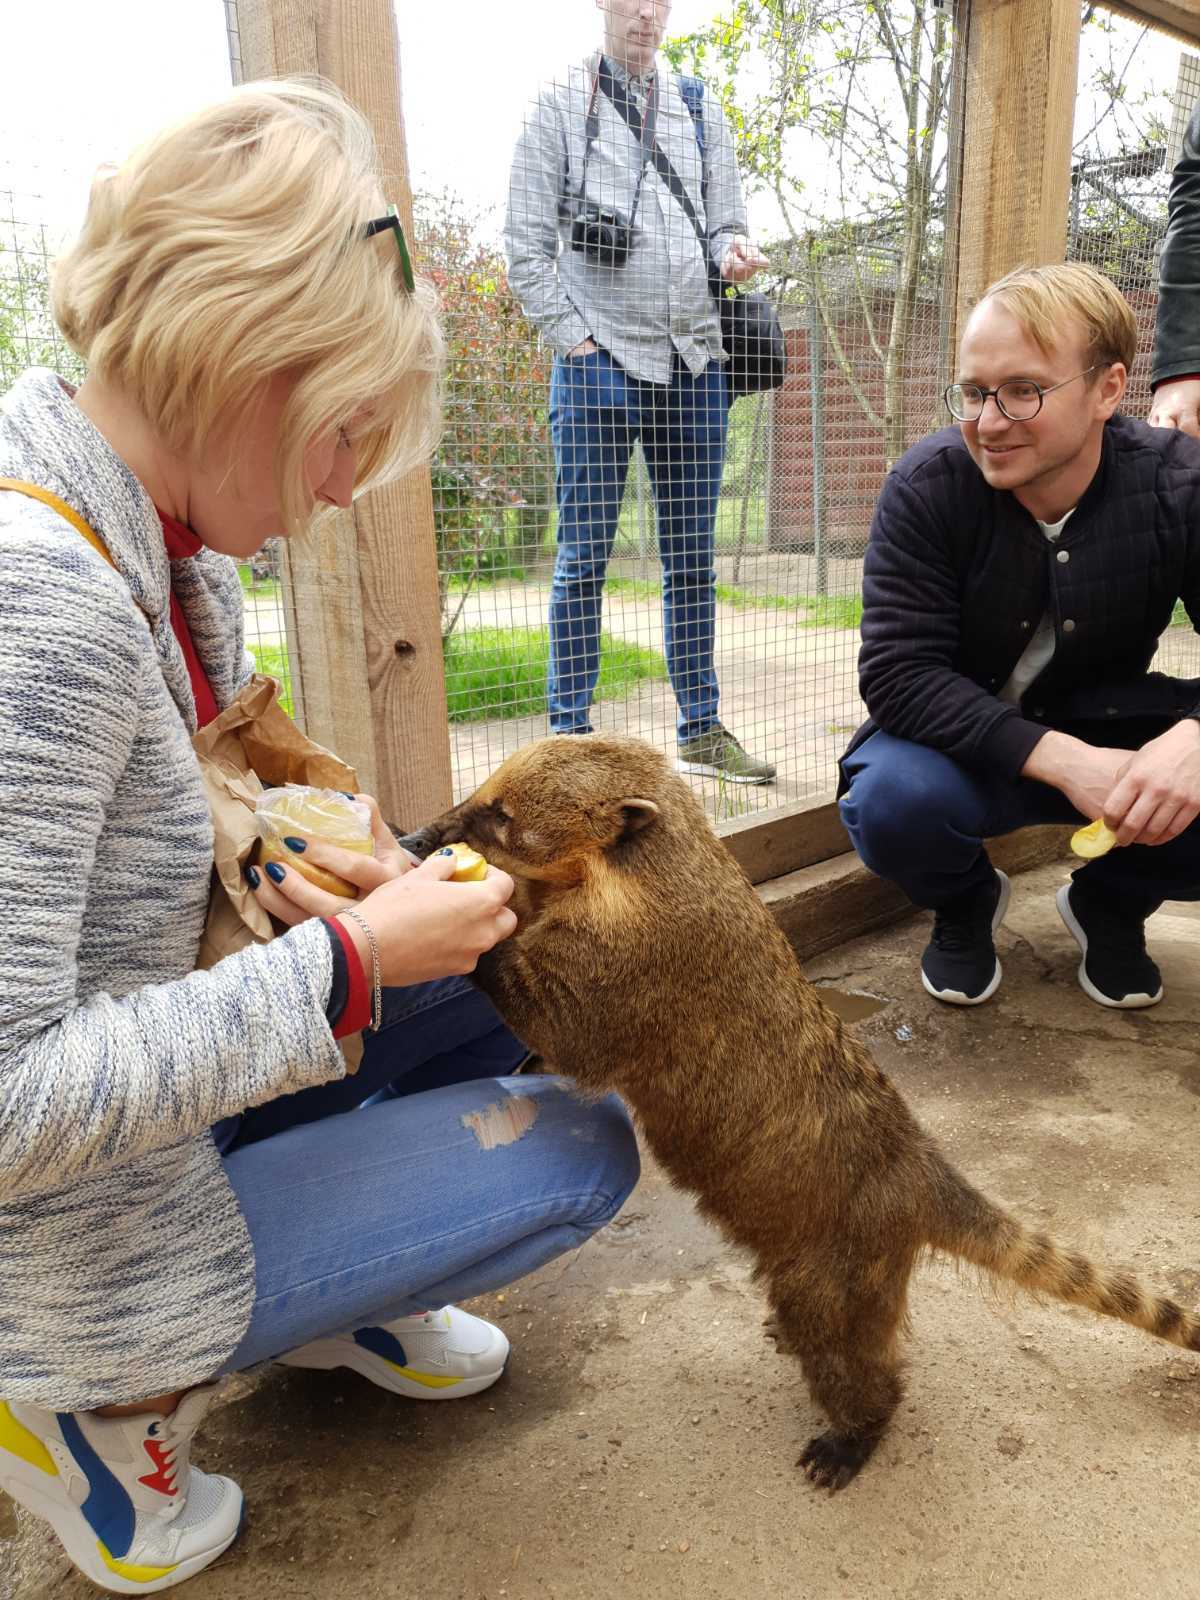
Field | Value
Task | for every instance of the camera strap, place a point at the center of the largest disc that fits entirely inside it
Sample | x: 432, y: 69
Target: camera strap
x: 643, y: 131
x: 644, y: 134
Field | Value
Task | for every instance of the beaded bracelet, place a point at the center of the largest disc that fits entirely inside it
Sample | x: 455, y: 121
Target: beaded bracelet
x: 376, y: 987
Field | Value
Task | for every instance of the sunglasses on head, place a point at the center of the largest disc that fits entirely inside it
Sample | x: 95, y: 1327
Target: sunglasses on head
x: 392, y: 221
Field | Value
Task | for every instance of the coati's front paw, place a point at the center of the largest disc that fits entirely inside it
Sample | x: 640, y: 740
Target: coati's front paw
x: 832, y: 1459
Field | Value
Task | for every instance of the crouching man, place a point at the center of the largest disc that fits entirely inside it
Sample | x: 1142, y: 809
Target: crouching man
x: 1022, y: 566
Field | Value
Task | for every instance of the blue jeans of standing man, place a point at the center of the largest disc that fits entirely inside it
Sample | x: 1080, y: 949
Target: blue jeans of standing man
x: 427, y: 1177
x: 919, y: 818
x: 597, y: 412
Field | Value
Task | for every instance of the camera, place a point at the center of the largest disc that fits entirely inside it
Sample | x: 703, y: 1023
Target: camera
x: 602, y: 237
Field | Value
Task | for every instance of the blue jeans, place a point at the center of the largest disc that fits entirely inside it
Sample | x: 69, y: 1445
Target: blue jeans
x: 597, y: 411
x: 432, y: 1187
x: 919, y: 818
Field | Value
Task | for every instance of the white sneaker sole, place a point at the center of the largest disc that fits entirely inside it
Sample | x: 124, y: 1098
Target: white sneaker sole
x: 955, y: 997
x: 36, y: 1493
x: 1131, y: 1002
x: 701, y: 769
x: 326, y: 1355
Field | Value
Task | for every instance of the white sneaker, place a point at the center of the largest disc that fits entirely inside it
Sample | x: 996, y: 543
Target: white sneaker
x: 436, y: 1355
x: 129, y: 1509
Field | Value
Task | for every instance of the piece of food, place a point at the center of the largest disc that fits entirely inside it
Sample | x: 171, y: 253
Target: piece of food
x: 471, y: 865
x: 310, y: 813
x: 1097, y: 839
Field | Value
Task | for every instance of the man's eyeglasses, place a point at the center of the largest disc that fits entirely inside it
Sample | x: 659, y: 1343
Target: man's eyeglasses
x: 379, y: 225
x: 1019, y: 399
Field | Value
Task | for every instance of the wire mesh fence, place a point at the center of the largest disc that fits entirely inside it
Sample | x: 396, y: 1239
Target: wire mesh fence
x: 632, y: 561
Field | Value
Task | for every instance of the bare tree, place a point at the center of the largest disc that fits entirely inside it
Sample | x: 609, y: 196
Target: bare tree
x: 840, y: 111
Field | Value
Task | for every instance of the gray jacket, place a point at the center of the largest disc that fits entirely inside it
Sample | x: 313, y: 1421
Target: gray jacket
x: 126, y: 1266
x: 659, y: 301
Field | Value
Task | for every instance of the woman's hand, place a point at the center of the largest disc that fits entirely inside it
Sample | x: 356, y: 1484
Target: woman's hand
x: 426, y: 927
x: 287, y: 895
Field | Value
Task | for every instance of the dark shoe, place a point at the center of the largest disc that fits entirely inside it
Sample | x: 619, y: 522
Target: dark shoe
x: 717, y: 754
x: 1115, y: 970
x: 959, y: 964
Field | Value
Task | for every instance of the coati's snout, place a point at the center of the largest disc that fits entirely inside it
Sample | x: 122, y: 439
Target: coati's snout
x: 552, y: 804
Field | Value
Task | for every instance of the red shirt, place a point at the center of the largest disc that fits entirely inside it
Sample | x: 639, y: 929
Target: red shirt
x: 181, y: 543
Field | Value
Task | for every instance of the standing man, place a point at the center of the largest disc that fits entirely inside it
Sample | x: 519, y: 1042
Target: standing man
x: 1175, y: 368
x: 608, y: 265
x: 1021, y: 569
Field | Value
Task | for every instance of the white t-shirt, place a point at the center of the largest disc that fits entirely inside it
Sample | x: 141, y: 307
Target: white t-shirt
x: 1036, y: 656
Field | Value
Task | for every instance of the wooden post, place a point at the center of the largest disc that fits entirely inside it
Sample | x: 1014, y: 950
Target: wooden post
x: 1021, y: 64
x: 363, y: 591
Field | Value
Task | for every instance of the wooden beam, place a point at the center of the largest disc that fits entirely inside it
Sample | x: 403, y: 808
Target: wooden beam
x: 1180, y: 18
x: 786, y: 840
x: 364, y: 590
x: 1021, y: 68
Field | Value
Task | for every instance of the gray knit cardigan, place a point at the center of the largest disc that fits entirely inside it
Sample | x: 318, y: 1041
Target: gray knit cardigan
x: 126, y: 1269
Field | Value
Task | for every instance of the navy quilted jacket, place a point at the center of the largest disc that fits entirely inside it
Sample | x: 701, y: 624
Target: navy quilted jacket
x: 957, y: 576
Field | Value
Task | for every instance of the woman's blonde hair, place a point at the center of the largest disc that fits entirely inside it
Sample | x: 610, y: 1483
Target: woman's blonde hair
x: 228, y: 251
x: 1044, y: 299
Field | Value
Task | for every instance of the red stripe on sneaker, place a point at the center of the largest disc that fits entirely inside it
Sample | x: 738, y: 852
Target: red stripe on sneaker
x: 162, y: 1478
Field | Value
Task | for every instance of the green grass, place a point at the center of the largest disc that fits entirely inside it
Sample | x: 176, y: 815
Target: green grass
x: 257, y: 588
x: 272, y: 659
x: 501, y: 672
x: 1179, y: 617
x: 486, y: 578
x: 819, y: 611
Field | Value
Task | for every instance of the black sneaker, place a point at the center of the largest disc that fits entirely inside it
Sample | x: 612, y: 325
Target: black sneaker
x: 1115, y: 970
x: 959, y: 964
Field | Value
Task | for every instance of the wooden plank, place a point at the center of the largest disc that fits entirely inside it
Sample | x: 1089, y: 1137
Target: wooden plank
x: 787, y: 839
x: 364, y: 588
x: 831, y: 902
x: 1181, y: 18
x: 1021, y: 65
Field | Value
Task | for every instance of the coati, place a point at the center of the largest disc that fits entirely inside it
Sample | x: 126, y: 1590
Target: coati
x: 644, y: 962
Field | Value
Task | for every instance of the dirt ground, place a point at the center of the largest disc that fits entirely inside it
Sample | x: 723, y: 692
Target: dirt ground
x: 643, y: 1441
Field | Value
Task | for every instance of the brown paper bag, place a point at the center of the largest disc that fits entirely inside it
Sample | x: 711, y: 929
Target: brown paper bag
x: 250, y: 746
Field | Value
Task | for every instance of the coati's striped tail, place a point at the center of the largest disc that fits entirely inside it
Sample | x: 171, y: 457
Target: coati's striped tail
x: 968, y: 1225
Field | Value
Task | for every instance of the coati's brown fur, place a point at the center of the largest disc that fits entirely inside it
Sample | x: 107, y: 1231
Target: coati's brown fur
x: 644, y: 962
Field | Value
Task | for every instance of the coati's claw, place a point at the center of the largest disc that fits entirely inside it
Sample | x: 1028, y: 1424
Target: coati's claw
x: 832, y: 1459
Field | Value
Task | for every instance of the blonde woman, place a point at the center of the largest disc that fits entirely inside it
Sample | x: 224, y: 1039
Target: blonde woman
x: 179, y: 1197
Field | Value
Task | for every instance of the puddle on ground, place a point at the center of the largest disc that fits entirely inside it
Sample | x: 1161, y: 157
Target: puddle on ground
x: 852, y: 1005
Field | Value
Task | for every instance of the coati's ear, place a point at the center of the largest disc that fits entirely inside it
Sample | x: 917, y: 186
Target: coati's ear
x: 632, y: 816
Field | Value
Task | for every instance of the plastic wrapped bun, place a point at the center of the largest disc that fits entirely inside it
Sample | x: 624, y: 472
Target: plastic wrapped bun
x: 298, y: 811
